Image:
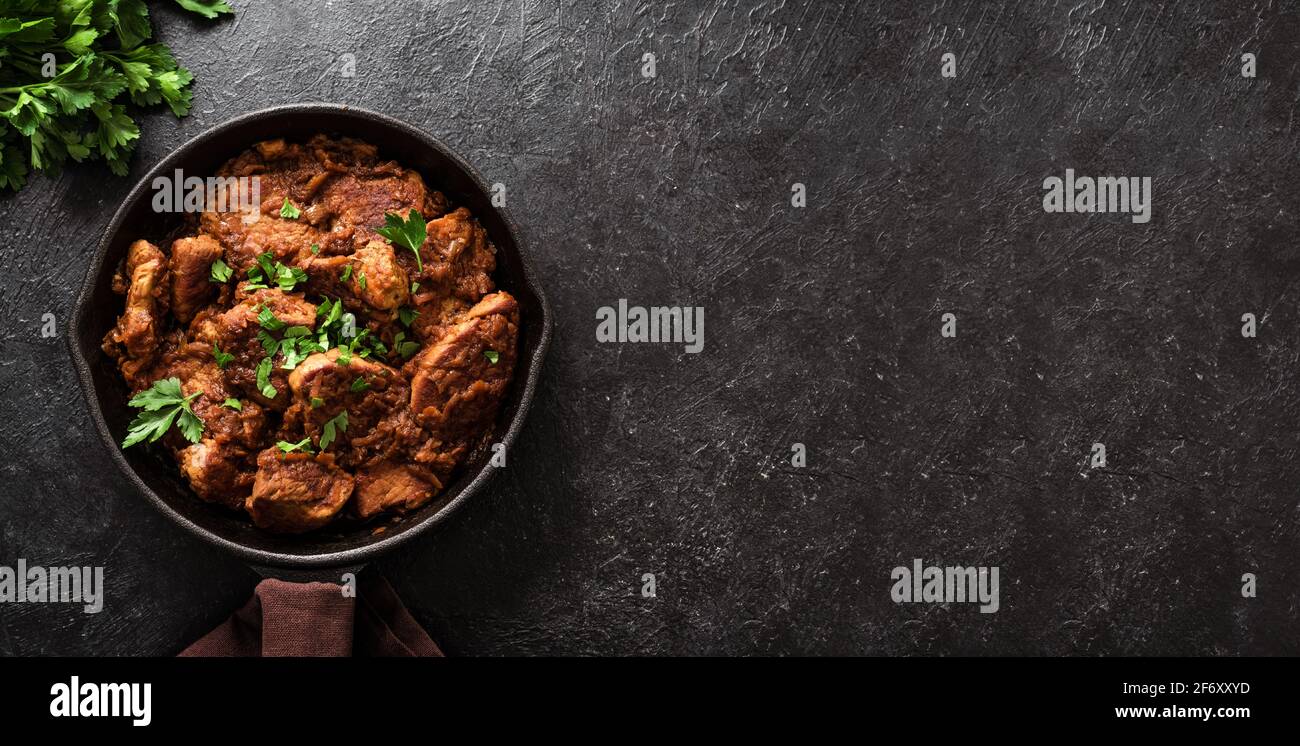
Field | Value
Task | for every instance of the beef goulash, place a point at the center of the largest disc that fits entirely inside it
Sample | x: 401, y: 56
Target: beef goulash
x: 339, y: 352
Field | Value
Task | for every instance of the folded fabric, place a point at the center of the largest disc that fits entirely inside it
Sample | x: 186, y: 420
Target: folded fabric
x: 318, y: 620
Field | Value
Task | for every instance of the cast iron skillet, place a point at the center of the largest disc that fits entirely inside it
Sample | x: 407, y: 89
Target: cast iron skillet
x: 155, y: 475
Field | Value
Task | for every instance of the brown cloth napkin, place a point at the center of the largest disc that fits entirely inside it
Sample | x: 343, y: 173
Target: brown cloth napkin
x: 317, y: 620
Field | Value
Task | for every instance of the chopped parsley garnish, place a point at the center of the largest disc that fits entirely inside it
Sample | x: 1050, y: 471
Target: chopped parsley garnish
x: 317, y: 402
x: 409, y: 233
x: 303, y: 445
x: 337, y: 328
x: 315, y: 249
x: 288, y: 277
x: 269, y: 343
x: 264, y: 384
x: 359, y: 385
x: 337, y: 424
x: 220, y: 271
x: 268, y: 320
x: 404, y: 347
x: 287, y: 210
x: 234, y: 404
x: 163, y: 403
x: 407, y: 315
x: 223, y: 358
x: 492, y: 356
x: 265, y: 272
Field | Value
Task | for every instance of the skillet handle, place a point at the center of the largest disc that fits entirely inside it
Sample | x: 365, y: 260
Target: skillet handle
x: 320, y: 575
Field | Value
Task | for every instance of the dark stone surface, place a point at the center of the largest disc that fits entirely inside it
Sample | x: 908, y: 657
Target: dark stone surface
x: 823, y: 328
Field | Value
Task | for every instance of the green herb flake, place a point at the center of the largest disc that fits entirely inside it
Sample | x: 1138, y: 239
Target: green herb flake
x: 288, y: 211
x: 407, y: 315
x: 492, y: 355
x: 337, y: 424
x: 220, y: 272
x: 234, y: 404
x: 223, y: 358
x: 303, y: 445
x: 267, y: 319
x: 317, y: 402
x: 264, y: 384
x: 359, y: 385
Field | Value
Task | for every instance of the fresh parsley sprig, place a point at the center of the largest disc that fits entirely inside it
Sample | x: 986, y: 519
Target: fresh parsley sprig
x: 163, y: 404
x: 68, y: 70
x: 410, y: 233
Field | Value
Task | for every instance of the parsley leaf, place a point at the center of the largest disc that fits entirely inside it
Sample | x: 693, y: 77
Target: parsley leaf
x: 360, y: 385
x: 287, y: 210
x: 492, y: 356
x: 264, y: 384
x: 220, y: 271
x: 317, y: 402
x: 404, y: 347
x: 234, y: 404
x: 337, y: 424
x: 407, y: 315
x: 267, y: 319
x: 315, y: 249
x: 162, y: 404
x: 302, y: 445
x: 223, y: 358
x: 206, y: 8
x: 409, y: 233
x: 288, y: 277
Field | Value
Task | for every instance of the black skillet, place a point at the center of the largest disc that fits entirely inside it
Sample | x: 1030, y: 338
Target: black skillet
x: 324, y: 554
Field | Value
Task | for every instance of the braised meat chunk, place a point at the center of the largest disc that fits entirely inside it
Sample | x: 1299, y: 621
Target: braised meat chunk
x: 457, y: 385
x: 191, y: 268
x: 297, y: 492
x: 134, y: 342
x: 332, y: 373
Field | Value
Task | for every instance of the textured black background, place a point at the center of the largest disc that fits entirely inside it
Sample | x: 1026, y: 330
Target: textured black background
x: 822, y: 327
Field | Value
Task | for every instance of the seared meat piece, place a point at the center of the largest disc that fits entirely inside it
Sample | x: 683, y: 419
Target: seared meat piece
x: 457, y: 254
x: 191, y: 268
x: 456, y: 389
x: 376, y: 286
x: 341, y: 188
x: 218, y: 474
x: 236, y: 333
x: 457, y: 260
x: 391, y: 486
x: 386, y: 286
x: 133, y: 343
x: 297, y: 492
x: 323, y: 378
x: 220, y: 466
